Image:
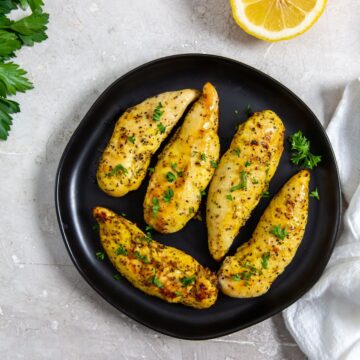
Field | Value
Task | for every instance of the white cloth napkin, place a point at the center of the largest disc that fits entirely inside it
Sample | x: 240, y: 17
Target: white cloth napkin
x: 326, y: 321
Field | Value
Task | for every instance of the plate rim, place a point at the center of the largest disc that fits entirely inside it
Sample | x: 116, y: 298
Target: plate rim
x: 322, y: 262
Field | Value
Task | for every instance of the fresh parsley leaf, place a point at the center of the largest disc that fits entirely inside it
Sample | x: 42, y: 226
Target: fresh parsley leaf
x: 156, y: 281
x: 229, y: 197
x: 247, y: 163
x: 116, y: 170
x: 117, y: 276
x: 191, y: 210
x: 168, y: 195
x: 198, y: 216
x: 203, y: 156
x: 151, y: 170
x: 186, y: 281
x: 156, y: 206
x: 213, y: 164
x: 121, y: 250
x: 315, y: 194
x: 149, y: 229
x: 255, y: 181
x: 265, y: 194
x: 202, y: 192
x: 6, y: 6
x: 131, y: 139
x: 301, y: 154
x: 170, y: 177
x: 7, y: 107
x: 243, y: 182
x: 12, y: 79
x: 279, y: 232
x: 100, y: 255
x: 248, y: 111
x: 142, y: 258
x: 161, y: 127
x: 8, y: 44
x: 158, y: 112
x: 265, y: 260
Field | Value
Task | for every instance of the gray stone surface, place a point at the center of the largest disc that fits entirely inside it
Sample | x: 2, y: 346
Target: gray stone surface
x: 47, y: 311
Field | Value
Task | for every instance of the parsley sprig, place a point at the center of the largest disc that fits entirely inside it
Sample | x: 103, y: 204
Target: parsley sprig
x: 301, y: 154
x: 13, y: 35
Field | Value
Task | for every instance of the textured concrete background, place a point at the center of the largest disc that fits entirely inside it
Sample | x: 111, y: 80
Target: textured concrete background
x: 47, y: 311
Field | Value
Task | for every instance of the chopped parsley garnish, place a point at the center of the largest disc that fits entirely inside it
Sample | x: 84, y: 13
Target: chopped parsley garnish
x: 142, y: 258
x: 243, y: 182
x: 156, y: 281
x: 191, y: 210
x: 123, y: 214
x: 247, y: 163
x: 168, y: 194
x: 229, y: 197
x: 186, y: 281
x: 279, y: 232
x: 100, y: 255
x: 247, y: 274
x: 174, y: 167
x: 315, y: 194
x: 202, y: 192
x: 161, y: 127
x: 237, y: 151
x: 198, y: 216
x: 170, y: 177
x: 265, y: 260
x: 156, y: 206
x: 255, y: 181
x: 213, y: 164
x: 248, y: 111
x: 131, y: 139
x: 117, y: 276
x: 96, y: 228
x: 116, y: 170
x: 151, y: 170
x: 158, y: 112
x: 121, y: 250
x: 301, y: 154
x: 265, y: 194
x: 178, y: 293
x: 203, y: 156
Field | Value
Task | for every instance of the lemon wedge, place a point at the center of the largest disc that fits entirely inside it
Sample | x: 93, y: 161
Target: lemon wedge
x: 274, y: 20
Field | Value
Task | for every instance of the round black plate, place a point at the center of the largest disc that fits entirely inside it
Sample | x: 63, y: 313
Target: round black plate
x: 238, y: 85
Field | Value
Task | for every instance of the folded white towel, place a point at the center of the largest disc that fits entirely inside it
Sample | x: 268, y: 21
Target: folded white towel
x: 325, y: 322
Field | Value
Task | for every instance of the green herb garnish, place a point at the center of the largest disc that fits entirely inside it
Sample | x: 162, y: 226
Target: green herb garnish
x: 301, y: 154
x: 156, y: 206
x: 151, y: 170
x: 131, y: 139
x: 202, y: 193
x: 168, y: 194
x: 170, y: 177
x: 186, y: 281
x: 116, y: 170
x: 265, y: 260
x: 100, y: 255
x: 161, y: 127
x: 237, y: 151
x: 117, y: 276
x: 191, y: 210
x: 158, y: 112
x: 174, y: 167
x: 13, y: 35
x: 156, y: 281
x: 214, y: 164
x: 121, y: 250
x: 142, y: 258
x: 229, y: 197
x: 265, y: 194
x: 255, y: 181
x: 203, y: 156
x: 247, y: 163
x: 248, y: 111
x: 243, y: 182
x: 315, y: 194
x: 279, y: 232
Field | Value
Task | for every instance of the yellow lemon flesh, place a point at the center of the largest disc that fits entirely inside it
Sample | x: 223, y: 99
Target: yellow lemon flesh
x: 274, y: 20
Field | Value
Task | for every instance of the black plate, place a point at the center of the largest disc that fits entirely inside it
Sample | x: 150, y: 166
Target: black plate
x: 238, y: 85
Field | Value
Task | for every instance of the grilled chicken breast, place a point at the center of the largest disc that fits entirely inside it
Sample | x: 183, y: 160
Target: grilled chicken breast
x: 273, y: 244
x: 155, y: 269
x: 242, y: 176
x: 137, y: 135
x: 185, y: 167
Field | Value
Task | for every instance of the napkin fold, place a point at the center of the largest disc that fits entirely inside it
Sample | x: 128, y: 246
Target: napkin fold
x: 325, y: 322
